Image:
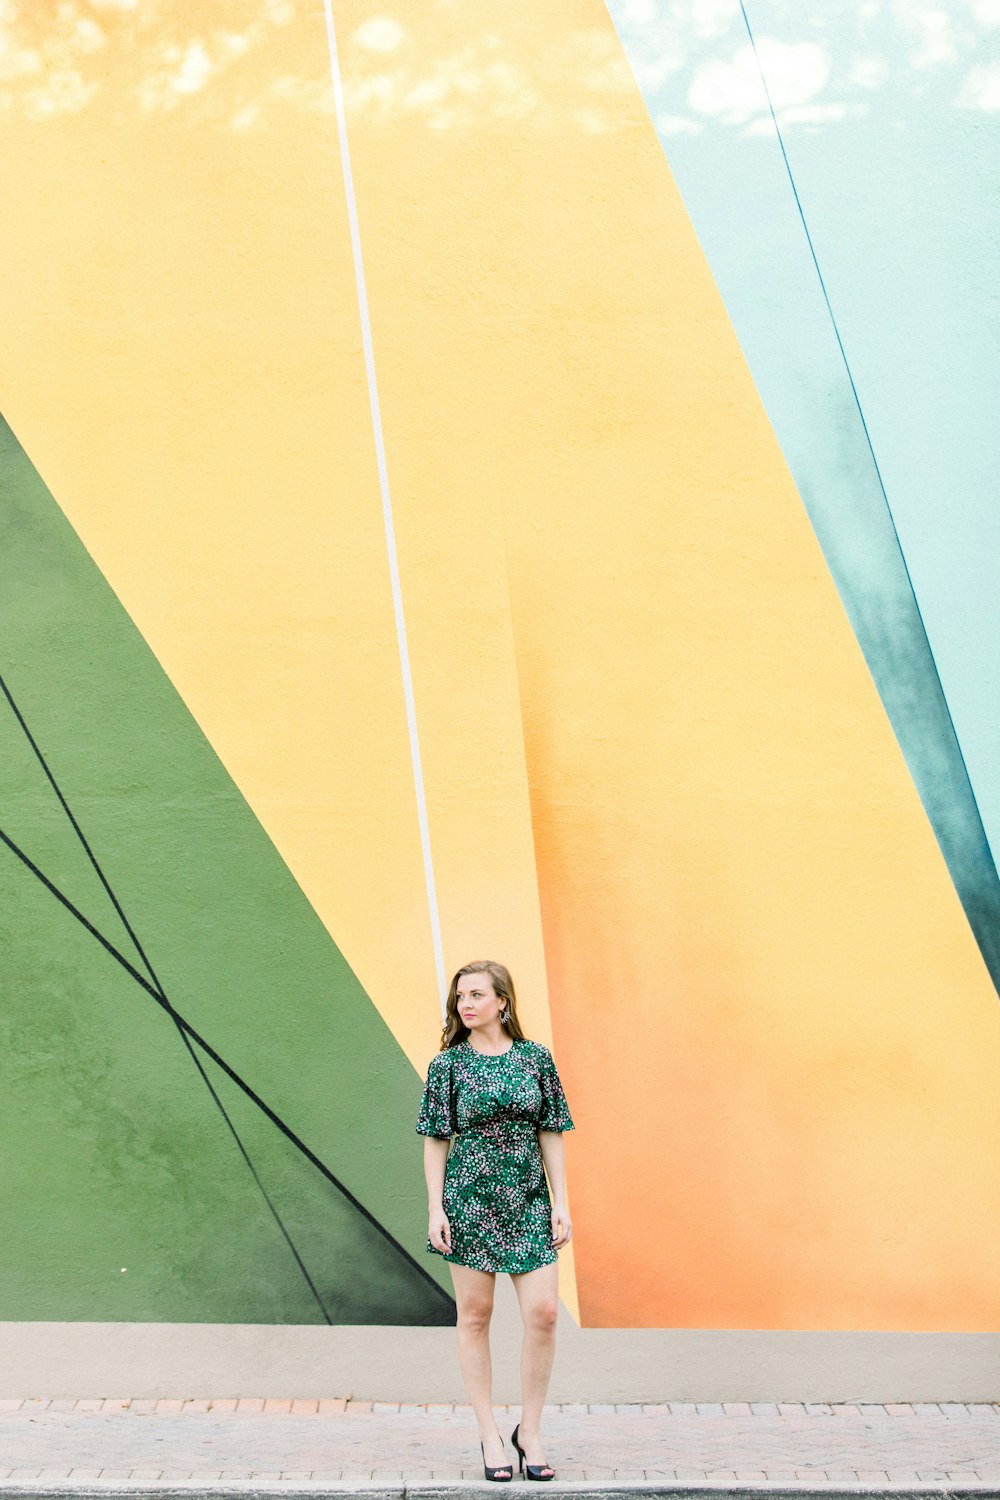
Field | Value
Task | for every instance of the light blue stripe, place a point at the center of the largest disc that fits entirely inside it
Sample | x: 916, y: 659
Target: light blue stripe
x: 904, y: 229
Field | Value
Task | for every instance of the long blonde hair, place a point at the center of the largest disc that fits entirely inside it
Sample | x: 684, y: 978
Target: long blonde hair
x: 455, y: 1031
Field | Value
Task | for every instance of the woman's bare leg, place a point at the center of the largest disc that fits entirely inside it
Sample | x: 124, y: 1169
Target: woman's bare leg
x: 538, y: 1298
x: 474, y: 1299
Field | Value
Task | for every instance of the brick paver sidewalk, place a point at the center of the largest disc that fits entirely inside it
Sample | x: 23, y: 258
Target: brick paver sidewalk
x: 274, y: 1446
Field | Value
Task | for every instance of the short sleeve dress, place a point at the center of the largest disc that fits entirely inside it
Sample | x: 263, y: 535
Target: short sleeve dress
x: 496, y: 1195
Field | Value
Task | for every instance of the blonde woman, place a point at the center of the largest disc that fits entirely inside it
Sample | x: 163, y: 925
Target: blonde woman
x: 499, y: 1096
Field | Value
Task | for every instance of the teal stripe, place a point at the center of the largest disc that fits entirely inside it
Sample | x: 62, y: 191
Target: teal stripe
x: 903, y: 229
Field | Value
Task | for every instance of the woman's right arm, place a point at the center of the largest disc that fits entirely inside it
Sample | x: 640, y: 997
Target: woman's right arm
x: 436, y: 1150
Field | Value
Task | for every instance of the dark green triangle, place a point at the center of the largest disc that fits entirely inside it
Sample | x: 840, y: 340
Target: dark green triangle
x: 118, y: 1153
x: 359, y: 1272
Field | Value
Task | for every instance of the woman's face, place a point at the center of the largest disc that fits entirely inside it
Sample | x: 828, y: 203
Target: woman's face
x: 478, y: 1001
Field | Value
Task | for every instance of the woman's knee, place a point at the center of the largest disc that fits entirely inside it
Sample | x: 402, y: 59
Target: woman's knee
x: 475, y: 1313
x: 543, y: 1314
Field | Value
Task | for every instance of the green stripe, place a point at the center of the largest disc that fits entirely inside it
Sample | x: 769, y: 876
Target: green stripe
x: 119, y: 1156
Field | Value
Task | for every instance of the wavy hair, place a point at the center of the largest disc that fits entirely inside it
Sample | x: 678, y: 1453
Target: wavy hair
x: 455, y: 1031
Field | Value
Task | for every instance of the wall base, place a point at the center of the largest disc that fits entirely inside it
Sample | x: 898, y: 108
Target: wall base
x: 76, y: 1360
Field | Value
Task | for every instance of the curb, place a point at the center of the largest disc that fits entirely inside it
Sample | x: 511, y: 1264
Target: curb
x: 593, y: 1489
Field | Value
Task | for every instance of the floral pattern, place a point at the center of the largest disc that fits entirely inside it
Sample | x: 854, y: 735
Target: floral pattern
x: 496, y: 1195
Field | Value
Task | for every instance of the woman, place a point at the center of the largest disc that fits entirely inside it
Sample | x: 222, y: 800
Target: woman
x: 489, y: 1209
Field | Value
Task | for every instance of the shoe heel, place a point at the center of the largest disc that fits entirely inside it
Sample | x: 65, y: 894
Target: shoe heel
x: 534, y: 1471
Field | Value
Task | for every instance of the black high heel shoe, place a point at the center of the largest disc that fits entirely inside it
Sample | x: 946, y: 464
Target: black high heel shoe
x: 534, y: 1470
x: 497, y: 1473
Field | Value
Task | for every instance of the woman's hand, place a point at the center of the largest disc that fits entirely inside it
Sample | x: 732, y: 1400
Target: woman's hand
x: 439, y: 1230
x: 561, y: 1220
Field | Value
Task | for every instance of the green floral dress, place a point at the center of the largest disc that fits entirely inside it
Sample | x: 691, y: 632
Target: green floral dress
x: 496, y: 1195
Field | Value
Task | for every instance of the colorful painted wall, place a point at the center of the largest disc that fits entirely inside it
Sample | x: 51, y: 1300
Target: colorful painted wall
x: 517, y: 481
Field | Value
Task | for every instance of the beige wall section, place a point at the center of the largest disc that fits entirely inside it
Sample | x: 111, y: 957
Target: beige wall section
x: 384, y: 1364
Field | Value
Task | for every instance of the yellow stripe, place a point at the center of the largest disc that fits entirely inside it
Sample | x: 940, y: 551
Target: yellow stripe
x: 765, y: 994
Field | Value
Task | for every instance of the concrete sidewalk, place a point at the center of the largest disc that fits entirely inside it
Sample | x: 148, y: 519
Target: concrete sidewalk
x: 284, y: 1447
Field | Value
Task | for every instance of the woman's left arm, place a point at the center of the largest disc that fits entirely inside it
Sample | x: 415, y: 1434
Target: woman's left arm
x: 553, y: 1155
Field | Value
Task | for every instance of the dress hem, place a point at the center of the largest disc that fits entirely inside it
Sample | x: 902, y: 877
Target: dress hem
x: 494, y: 1270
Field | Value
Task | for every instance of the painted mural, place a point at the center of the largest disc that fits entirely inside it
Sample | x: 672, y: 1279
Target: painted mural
x: 502, y: 481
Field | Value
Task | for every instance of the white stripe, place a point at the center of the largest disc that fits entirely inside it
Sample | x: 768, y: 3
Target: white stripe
x: 390, y: 535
